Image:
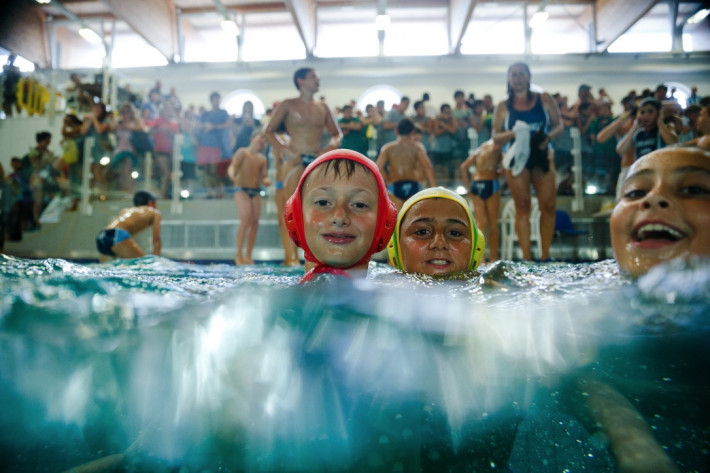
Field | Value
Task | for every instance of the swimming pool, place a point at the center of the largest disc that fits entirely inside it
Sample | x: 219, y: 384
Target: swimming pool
x: 157, y: 365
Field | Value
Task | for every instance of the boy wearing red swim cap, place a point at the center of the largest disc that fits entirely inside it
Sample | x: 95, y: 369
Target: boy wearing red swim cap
x: 340, y: 214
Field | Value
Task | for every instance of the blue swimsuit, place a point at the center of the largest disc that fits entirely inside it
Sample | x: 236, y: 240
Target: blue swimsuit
x: 404, y: 189
x: 485, y: 188
x: 307, y: 159
x: 107, y: 238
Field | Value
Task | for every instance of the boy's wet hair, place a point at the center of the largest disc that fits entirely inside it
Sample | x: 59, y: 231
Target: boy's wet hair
x: 300, y: 74
x: 655, y: 103
x: 405, y: 127
x: 141, y: 198
x: 342, y: 168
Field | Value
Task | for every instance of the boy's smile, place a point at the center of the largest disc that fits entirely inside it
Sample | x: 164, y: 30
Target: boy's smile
x: 664, y: 210
x: 339, y: 215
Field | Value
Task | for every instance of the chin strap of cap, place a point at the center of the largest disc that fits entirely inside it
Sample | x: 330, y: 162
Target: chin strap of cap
x: 323, y: 269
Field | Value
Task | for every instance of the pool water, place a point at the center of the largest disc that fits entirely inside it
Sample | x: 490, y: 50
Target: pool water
x: 154, y: 365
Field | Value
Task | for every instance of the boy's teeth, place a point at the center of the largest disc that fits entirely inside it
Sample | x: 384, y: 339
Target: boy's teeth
x: 657, y: 227
x: 439, y: 261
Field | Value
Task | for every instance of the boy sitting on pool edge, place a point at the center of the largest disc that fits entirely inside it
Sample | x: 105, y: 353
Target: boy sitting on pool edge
x: 340, y: 214
x: 436, y: 235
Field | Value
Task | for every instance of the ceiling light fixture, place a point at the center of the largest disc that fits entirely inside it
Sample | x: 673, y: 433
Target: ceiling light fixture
x: 382, y: 22
x: 90, y: 35
x: 230, y: 27
x: 538, y: 18
x: 44, y: 2
x: 699, y: 16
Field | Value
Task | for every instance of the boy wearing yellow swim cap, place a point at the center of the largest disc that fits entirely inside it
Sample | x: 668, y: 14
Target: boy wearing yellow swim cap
x: 436, y: 234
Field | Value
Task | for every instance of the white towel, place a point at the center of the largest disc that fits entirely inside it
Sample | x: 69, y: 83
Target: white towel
x: 520, y: 149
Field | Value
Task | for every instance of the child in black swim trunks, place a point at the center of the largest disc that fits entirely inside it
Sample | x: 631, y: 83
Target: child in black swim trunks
x: 248, y: 172
x: 484, y: 190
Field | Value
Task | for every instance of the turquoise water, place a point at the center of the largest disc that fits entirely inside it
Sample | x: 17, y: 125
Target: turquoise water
x: 155, y: 365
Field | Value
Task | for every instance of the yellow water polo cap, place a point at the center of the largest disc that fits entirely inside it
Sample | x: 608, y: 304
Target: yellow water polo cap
x: 478, y: 245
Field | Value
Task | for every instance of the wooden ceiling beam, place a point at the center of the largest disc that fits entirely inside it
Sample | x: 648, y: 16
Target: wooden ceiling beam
x: 615, y: 17
x: 154, y: 20
x: 460, y: 12
x: 304, y: 16
x: 23, y: 32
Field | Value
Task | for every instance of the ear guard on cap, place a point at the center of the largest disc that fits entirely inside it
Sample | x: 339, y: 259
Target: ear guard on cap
x: 386, y: 210
x: 478, y: 243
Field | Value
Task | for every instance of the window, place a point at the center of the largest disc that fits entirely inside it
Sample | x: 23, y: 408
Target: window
x: 23, y: 64
x: 205, y: 33
x: 495, y: 29
x: 124, y: 52
x: 384, y: 92
x: 652, y: 33
x: 679, y: 91
x: 234, y: 102
x: 271, y: 37
x: 417, y: 32
x: 346, y: 32
x: 567, y: 30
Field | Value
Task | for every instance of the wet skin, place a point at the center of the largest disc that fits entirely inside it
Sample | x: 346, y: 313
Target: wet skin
x: 339, y: 215
x: 435, y: 237
x: 664, y: 210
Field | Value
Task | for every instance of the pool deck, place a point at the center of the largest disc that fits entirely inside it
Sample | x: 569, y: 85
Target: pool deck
x: 205, y: 231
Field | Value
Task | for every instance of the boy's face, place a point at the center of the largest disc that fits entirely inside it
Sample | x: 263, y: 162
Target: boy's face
x: 259, y: 141
x: 664, y: 210
x: 339, y: 215
x: 435, y: 237
x: 647, y: 116
x: 310, y: 83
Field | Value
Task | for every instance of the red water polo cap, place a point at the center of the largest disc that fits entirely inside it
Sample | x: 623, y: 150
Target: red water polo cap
x: 386, y: 210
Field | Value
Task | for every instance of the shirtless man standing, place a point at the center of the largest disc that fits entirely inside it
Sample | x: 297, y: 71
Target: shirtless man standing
x: 402, y: 163
x: 304, y: 120
x: 116, y: 240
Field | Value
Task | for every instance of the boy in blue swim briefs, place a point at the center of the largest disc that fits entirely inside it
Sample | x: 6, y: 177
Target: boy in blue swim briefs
x: 340, y: 214
x: 484, y: 191
x: 404, y: 163
x: 116, y: 240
